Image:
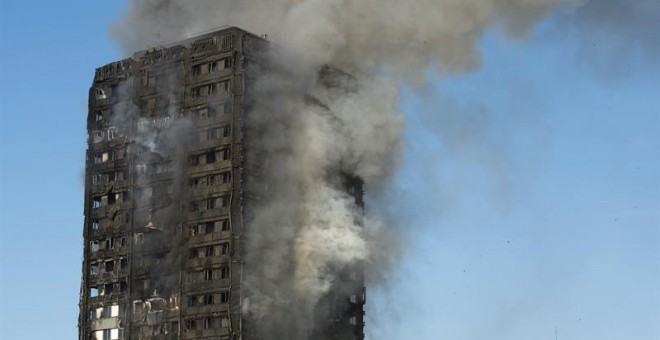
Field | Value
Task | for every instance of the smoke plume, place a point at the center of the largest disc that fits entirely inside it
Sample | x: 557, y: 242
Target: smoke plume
x: 326, y: 110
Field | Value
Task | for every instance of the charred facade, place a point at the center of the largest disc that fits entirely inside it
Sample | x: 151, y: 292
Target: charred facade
x: 168, y: 180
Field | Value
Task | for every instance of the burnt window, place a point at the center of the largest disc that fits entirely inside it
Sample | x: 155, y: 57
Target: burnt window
x: 221, y: 273
x: 108, y: 289
x: 208, y: 299
x: 196, y: 92
x: 226, y: 85
x: 110, y: 311
x: 226, y: 63
x: 194, y: 160
x: 212, y: 134
x: 224, y: 248
x: 107, y: 156
x: 200, y: 113
x: 205, y: 113
x: 213, y: 66
x: 139, y: 238
x: 110, y: 243
x: 208, y: 275
x: 100, y: 94
x: 212, y: 89
x: 210, y: 113
x: 210, y: 157
x: 95, y: 225
x: 97, y: 136
x: 191, y: 324
x: 194, y: 230
x: 98, y: 116
x: 94, y: 269
x: 224, y: 297
x: 224, y: 225
x: 111, y: 134
x: 109, y: 266
x: 141, y: 169
x: 148, y: 79
x: 96, y: 202
x: 226, y: 131
x: 103, y: 157
x: 210, y: 203
x: 162, y: 167
x: 352, y: 320
x: 226, y: 154
x: 209, y: 227
x: 197, y: 70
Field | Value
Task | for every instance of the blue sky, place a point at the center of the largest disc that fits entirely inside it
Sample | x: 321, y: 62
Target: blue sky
x: 529, y: 190
x: 534, y: 196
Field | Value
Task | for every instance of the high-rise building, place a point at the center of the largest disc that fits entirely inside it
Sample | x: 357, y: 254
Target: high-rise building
x: 166, y: 198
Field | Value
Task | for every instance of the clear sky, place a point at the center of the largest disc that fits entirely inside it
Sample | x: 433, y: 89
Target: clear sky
x: 529, y: 190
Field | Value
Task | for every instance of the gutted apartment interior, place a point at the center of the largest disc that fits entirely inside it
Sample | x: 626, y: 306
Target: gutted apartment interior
x: 164, y: 203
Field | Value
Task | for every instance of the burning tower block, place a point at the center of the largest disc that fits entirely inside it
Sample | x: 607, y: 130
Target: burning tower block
x: 172, y: 182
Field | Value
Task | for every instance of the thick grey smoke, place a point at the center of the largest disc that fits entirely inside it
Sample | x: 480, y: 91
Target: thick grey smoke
x: 326, y: 109
x: 387, y: 36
